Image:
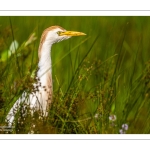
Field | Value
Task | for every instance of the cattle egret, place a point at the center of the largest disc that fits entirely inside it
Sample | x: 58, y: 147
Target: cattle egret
x: 41, y: 97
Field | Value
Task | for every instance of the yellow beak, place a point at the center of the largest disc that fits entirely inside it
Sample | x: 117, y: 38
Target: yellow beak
x: 72, y: 33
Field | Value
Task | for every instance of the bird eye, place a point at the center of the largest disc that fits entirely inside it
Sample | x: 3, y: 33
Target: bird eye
x: 59, y: 32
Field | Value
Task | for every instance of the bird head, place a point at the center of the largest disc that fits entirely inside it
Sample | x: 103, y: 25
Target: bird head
x: 56, y: 34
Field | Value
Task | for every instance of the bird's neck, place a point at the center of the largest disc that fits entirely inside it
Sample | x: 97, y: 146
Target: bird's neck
x: 44, y: 73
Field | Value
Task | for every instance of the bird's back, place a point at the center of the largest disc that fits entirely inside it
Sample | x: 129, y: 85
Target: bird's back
x: 39, y: 100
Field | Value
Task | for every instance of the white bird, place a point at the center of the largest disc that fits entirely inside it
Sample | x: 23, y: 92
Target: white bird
x: 41, y: 97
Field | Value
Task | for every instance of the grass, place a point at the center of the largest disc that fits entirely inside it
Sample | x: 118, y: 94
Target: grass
x: 105, y: 83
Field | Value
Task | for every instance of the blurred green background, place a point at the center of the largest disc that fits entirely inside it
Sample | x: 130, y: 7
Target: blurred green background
x: 115, y: 67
